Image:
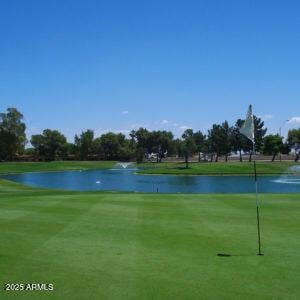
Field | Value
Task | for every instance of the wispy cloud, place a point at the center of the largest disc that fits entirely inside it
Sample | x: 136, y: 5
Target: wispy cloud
x: 294, y: 120
x: 184, y: 127
x: 266, y: 117
x: 124, y: 131
x: 125, y: 112
x: 99, y: 132
x: 164, y: 122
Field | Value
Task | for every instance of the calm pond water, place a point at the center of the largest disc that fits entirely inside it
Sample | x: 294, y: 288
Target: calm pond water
x: 120, y: 179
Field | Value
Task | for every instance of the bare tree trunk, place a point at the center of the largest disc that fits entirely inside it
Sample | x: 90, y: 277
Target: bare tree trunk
x: 250, y: 157
x: 241, y: 158
x: 211, y: 157
x: 297, y: 157
x: 226, y: 158
x: 273, y: 157
x: 186, y: 161
x: 199, y: 157
x: 217, y: 158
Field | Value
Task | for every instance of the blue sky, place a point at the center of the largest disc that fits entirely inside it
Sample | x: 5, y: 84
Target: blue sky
x: 118, y: 65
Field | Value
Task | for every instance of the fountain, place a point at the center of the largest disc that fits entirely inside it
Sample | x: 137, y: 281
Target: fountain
x: 293, y: 178
x: 295, y: 169
x: 124, y: 165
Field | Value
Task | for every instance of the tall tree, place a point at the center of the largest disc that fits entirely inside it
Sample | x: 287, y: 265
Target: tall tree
x: 226, y: 138
x: 12, y: 134
x: 188, y: 146
x: 294, y: 141
x: 272, y: 145
x: 239, y: 142
x: 259, y: 134
x: 115, y: 146
x: 141, y: 138
x: 161, y: 143
x: 219, y: 137
x: 49, y: 144
x: 38, y: 143
x: 199, y: 139
x: 84, y: 143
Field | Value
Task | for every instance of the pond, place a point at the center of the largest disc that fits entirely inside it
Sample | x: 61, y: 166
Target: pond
x: 126, y: 179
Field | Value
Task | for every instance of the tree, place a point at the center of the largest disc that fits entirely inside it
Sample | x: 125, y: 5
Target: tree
x: 219, y: 138
x: 188, y: 145
x: 141, y: 138
x: 259, y: 133
x: 145, y: 142
x: 161, y: 143
x: 294, y: 141
x: 12, y: 134
x: 97, y: 148
x: 285, y: 149
x: 272, y: 145
x: 114, y: 146
x: 226, y: 137
x: 110, y: 145
x: 38, y: 143
x: 49, y: 145
x: 84, y: 143
x: 199, y: 139
x: 239, y: 142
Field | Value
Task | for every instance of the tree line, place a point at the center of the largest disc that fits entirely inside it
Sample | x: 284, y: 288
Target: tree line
x: 221, y: 140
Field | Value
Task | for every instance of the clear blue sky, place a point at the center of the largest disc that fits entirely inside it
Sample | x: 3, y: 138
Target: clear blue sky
x: 117, y: 65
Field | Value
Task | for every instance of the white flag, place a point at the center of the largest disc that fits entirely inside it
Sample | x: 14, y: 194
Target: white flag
x: 248, y: 127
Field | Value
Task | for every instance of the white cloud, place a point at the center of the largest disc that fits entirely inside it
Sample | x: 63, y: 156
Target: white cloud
x: 294, y: 120
x: 164, y: 122
x: 175, y: 124
x: 124, y: 131
x: 266, y: 117
x: 136, y: 126
x: 125, y: 112
x: 184, y: 127
x: 99, y: 132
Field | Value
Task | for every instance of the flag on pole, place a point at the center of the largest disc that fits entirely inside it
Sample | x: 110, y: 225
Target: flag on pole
x: 248, y: 127
x: 248, y: 131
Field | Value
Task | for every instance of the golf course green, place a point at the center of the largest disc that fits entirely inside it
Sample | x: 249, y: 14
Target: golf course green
x: 112, y: 245
x: 220, y: 168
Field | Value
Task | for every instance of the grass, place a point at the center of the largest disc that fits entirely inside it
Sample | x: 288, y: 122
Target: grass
x: 220, y: 168
x: 100, y: 245
x: 21, y: 167
x: 106, y: 245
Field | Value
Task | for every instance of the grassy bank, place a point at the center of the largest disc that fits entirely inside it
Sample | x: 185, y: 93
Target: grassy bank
x: 142, y: 246
x: 21, y: 167
x: 220, y: 168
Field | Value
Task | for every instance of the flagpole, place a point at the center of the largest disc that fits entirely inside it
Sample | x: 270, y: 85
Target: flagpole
x: 248, y: 130
x: 257, y: 203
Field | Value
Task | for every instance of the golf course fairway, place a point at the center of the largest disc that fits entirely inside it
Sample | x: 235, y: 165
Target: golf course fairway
x: 106, y: 245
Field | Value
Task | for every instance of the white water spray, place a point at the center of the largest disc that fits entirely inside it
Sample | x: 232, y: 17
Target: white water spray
x: 124, y: 165
x: 290, y: 179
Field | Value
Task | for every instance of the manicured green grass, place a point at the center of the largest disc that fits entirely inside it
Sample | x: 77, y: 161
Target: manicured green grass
x: 220, y: 168
x: 148, y: 246
x: 21, y: 167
